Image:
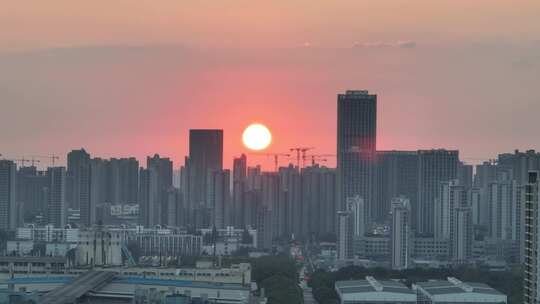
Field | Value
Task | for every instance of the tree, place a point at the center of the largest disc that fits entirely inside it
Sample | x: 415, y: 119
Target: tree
x: 282, y: 290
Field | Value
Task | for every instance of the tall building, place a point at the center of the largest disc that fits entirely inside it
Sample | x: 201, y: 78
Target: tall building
x: 219, y: 197
x: 465, y: 174
x: 291, y: 188
x: 205, y: 157
x: 154, y: 182
x: 450, y: 196
x: 239, y: 189
x: 78, y: 179
x: 345, y: 236
x: 396, y: 175
x: 123, y: 180
x: 356, y: 146
x: 98, y: 191
x: 356, y: 206
x: 434, y: 167
x: 520, y: 163
x: 8, y: 195
x: 531, y: 279
x: 503, y: 216
x: 318, y: 198
x: 56, y: 193
x: 400, y: 242
x: 461, y: 235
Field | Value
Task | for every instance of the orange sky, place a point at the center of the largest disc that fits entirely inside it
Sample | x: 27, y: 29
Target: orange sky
x: 124, y: 78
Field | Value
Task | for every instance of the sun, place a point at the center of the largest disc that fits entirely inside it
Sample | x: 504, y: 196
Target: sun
x: 257, y: 137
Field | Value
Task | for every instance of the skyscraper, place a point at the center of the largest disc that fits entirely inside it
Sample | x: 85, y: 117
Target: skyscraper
x: 401, y: 232
x: 205, y: 157
x: 434, y: 167
x: 8, y: 194
x: 356, y: 146
x: 531, y: 278
x: 56, y: 208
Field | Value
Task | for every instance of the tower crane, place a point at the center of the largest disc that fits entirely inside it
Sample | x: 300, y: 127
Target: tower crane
x: 52, y: 157
x: 320, y: 157
x: 301, y: 152
x: 274, y: 155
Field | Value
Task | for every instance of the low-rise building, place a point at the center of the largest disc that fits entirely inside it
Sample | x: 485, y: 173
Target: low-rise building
x: 371, y: 290
x: 454, y: 291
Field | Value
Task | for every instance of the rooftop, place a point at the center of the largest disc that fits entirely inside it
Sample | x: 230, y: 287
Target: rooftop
x: 455, y: 286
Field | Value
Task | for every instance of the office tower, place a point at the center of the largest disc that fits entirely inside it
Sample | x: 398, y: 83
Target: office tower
x: 461, y: 235
x: 465, y: 174
x: 219, y: 197
x: 401, y: 233
x: 356, y: 206
x: 396, y: 175
x: 345, y: 241
x: 520, y: 163
x: 8, y: 195
x: 123, y: 179
x: 56, y: 193
x: 450, y: 196
x: 239, y: 189
x: 531, y: 277
x: 205, y: 157
x: 78, y: 179
x: 434, y: 167
x: 356, y: 146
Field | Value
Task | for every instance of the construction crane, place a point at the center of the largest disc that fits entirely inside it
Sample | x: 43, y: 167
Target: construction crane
x: 52, y: 157
x: 275, y: 156
x: 301, y: 152
x: 319, y: 157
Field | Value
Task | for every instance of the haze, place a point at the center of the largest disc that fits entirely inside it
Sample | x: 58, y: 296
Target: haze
x: 123, y: 78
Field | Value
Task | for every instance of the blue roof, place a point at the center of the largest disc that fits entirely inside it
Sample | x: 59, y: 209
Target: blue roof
x: 39, y: 280
x: 177, y: 283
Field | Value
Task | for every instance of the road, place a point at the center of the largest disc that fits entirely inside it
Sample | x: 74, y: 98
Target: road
x: 78, y: 287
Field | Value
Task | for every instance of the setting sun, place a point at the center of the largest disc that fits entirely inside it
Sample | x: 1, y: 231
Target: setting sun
x: 257, y: 137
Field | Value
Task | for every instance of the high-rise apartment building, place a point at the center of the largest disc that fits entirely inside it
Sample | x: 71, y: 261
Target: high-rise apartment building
x: 219, y: 197
x: 8, y: 194
x: 531, y: 280
x: 239, y: 189
x: 56, y: 193
x: 400, y: 239
x: 205, y: 157
x: 434, y: 167
x: 78, y: 179
x: 396, y: 175
x: 345, y: 235
x: 356, y: 146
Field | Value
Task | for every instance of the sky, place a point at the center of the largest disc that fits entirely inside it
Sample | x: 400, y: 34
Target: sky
x: 130, y: 78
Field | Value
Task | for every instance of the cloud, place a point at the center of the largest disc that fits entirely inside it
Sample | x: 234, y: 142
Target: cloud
x: 406, y: 44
